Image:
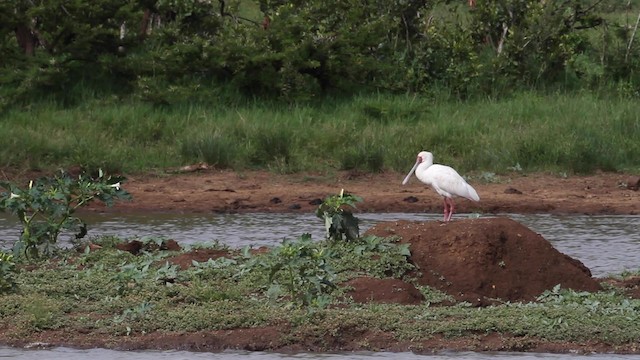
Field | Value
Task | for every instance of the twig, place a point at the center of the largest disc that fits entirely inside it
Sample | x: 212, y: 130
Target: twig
x: 505, y: 29
x: 633, y: 34
x: 406, y: 32
x: 65, y: 10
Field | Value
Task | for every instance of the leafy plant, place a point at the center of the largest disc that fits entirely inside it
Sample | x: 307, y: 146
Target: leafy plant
x: 299, y: 269
x: 167, y: 274
x: 7, y: 273
x: 47, y: 206
x: 339, y: 222
x: 372, y: 255
x: 131, y: 274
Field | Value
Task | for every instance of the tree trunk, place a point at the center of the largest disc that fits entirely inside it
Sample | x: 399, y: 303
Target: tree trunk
x: 26, y: 39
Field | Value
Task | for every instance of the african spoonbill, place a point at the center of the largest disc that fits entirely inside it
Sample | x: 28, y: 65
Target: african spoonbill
x: 444, y: 180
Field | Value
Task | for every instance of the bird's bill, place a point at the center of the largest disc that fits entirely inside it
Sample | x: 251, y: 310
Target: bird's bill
x: 406, y: 179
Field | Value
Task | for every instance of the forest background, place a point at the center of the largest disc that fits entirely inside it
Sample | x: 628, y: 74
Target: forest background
x: 487, y: 85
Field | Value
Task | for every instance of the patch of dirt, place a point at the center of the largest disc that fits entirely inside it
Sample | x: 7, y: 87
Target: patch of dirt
x: 135, y: 246
x: 488, y: 260
x: 282, y: 340
x: 213, y: 191
x: 201, y: 189
x: 384, y: 291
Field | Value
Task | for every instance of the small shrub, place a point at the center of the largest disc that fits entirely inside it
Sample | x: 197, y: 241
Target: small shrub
x: 47, y: 206
x: 300, y: 270
x: 339, y: 222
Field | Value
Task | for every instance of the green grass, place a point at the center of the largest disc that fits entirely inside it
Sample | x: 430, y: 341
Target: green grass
x: 571, y: 133
x: 115, y: 294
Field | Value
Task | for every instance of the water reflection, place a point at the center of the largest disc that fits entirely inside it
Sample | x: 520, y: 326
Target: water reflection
x: 605, y: 244
x: 100, y: 354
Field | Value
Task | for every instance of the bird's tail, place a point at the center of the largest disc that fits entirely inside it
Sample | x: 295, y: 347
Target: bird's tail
x: 473, y: 195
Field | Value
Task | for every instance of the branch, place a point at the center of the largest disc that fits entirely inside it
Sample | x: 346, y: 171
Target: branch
x: 505, y: 29
x: 633, y: 34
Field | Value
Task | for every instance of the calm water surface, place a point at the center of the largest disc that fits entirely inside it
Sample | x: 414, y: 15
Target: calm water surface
x: 102, y: 354
x: 605, y: 244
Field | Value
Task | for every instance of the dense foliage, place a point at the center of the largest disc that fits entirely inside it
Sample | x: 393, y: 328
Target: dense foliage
x: 166, y: 51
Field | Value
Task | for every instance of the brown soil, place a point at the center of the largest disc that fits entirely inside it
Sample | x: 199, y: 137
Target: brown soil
x: 480, y: 261
x: 224, y: 192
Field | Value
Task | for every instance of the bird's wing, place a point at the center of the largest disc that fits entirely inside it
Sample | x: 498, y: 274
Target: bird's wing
x: 447, y: 182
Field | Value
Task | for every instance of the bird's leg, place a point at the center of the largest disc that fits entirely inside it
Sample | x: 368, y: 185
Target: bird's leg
x: 452, y: 208
x: 446, y: 209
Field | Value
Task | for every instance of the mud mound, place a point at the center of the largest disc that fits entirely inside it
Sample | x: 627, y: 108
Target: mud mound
x: 480, y: 260
x: 385, y: 291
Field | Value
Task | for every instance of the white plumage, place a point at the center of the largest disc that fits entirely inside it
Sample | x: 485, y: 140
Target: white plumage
x: 444, y: 180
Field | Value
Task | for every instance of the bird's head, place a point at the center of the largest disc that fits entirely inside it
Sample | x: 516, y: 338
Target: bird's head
x: 423, y: 156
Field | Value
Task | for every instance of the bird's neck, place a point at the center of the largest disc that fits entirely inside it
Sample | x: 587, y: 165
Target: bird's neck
x: 425, y: 165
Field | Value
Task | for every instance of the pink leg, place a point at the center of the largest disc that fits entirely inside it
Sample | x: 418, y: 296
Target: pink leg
x: 446, y: 209
x: 452, y: 208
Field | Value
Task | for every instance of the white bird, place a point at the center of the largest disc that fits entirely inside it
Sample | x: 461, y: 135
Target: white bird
x: 444, y: 180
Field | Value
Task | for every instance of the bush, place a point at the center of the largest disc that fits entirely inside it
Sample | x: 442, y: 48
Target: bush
x: 47, y: 206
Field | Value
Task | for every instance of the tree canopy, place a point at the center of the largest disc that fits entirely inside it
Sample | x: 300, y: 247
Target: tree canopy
x: 171, y: 50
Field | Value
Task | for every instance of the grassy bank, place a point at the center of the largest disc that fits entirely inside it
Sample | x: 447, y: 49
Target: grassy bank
x: 114, y: 296
x: 578, y: 133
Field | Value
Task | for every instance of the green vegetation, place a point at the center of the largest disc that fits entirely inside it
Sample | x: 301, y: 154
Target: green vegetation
x: 47, y: 206
x: 300, y: 269
x: 7, y: 273
x: 167, y: 52
x: 339, y: 221
x: 570, y: 133
x: 116, y: 294
x: 131, y: 86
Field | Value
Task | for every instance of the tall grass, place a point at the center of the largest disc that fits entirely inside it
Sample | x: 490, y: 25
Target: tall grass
x: 577, y: 133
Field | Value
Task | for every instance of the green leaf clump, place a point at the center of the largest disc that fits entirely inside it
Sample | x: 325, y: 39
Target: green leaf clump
x: 47, y: 206
x: 339, y: 221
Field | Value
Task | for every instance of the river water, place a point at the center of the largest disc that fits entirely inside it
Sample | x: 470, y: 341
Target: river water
x: 605, y: 244
x: 103, y: 354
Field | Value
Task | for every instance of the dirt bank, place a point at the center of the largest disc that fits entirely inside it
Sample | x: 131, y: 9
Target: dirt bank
x: 259, y: 191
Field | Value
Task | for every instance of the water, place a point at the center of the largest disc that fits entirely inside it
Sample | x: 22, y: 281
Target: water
x: 605, y: 244
x: 103, y: 354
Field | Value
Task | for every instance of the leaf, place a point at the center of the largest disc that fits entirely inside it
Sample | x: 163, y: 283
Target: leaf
x: 403, y: 249
x: 274, y: 292
x: 350, y: 226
